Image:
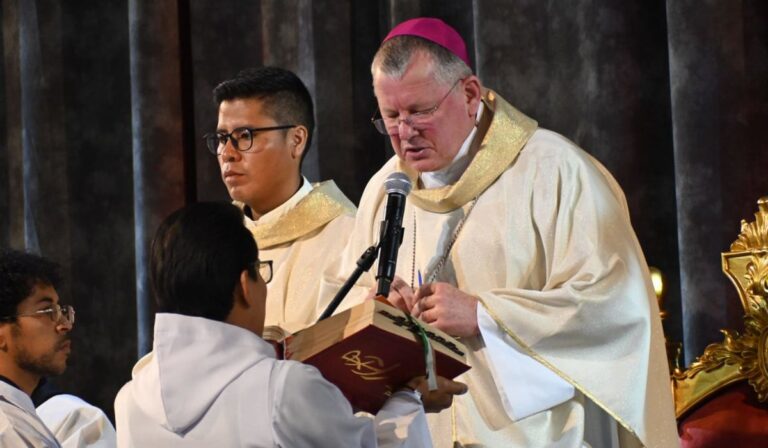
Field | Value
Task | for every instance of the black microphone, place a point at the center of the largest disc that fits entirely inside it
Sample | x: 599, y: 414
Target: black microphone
x: 397, y: 186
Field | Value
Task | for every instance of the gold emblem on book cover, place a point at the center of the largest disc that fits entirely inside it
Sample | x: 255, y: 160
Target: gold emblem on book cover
x: 367, y: 367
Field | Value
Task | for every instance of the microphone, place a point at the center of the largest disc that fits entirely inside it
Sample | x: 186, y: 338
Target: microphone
x: 397, y: 186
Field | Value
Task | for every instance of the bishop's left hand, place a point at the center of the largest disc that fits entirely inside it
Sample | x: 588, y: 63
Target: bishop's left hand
x: 447, y: 308
x: 442, y: 397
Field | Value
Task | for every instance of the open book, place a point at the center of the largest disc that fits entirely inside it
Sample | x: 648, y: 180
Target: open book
x: 370, y: 351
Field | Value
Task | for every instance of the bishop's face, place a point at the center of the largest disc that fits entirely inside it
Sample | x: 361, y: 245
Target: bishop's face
x: 432, y: 144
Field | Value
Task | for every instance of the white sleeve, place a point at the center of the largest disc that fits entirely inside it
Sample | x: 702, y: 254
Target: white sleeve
x: 77, y: 424
x: 401, y: 422
x: 525, y: 386
x: 309, y: 412
x: 20, y: 436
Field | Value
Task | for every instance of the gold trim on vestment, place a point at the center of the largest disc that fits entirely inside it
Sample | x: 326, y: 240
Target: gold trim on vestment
x: 322, y: 205
x: 551, y: 367
x: 509, y: 131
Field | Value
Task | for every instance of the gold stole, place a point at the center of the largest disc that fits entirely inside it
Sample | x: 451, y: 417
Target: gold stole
x: 322, y: 205
x: 504, y: 130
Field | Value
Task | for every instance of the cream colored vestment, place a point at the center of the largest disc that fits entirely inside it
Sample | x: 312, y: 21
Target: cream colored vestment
x: 550, y: 252
x: 301, y: 237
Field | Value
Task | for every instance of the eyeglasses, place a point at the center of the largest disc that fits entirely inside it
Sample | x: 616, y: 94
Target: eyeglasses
x: 388, y: 126
x: 265, y: 269
x: 56, y: 313
x: 242, y: 138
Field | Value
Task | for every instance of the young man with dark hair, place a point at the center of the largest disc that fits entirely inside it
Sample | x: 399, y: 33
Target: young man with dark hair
x: 34, y: 344
x: 264, y: 131
x: 210, y: 380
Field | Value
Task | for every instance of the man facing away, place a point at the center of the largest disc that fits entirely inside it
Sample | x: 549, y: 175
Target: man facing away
x: 34, y: 343
x: 525, y: 250
x: 211, y: 381
x: 265, y: 126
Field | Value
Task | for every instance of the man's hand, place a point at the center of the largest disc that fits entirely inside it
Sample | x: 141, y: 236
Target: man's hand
x: 401, y: 295
x: 437, y: 400
x: 447, y: 308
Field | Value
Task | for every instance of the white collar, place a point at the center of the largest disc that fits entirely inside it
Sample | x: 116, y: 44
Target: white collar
x: 17, y: 397
x: 277, y: 212
x: 459, y: 164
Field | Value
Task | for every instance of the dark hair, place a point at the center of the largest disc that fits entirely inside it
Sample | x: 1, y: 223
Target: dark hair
x: 20, y: 272
x: 286, y: 99
x: 196, y: 259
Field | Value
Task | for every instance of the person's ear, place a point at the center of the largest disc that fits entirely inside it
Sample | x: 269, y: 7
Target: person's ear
x: 5, y: 334
x: 244, y: 289
x: 298, y: 141
x: 473, y: 93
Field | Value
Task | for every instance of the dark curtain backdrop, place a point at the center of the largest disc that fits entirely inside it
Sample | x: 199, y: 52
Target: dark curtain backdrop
x: 103, y: 105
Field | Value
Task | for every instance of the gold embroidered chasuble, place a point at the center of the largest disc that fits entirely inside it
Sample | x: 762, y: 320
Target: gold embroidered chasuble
x: 300, y: 243
x: 550, y: 252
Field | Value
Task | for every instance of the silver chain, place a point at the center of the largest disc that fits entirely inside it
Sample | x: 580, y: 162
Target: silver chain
x: 446, y: 252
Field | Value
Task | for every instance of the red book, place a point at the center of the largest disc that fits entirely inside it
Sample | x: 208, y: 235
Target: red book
x: 371, y: 350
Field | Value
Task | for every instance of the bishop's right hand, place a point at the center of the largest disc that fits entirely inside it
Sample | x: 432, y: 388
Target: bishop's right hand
x: 401, y: 295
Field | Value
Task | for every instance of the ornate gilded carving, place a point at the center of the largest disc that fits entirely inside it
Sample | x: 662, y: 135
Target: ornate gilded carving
x: 757, y: 278
x: 740, y: 356
x: 754, y: 235
x: 746, y: 351
x: 731, y: 351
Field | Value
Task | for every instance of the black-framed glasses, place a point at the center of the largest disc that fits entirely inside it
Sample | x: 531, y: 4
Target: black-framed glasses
x: 388, y: 126
x: 242, y: 138
x: 56, y: 312
x: 265, y: 269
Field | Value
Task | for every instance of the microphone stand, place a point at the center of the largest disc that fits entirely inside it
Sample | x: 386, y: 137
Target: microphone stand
x: 363, y: 265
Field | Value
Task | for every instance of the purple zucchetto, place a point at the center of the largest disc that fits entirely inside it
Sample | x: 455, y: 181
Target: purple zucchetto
x: 434, y: 30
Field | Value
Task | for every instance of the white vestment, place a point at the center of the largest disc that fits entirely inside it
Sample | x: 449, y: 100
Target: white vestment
x: 548, y: 249
x: 20, y: 425
x: 211, y: 384
x: 76, y: 423
x: 301, y: 237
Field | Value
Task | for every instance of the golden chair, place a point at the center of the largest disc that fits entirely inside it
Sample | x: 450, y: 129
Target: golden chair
x: 720, y: 400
